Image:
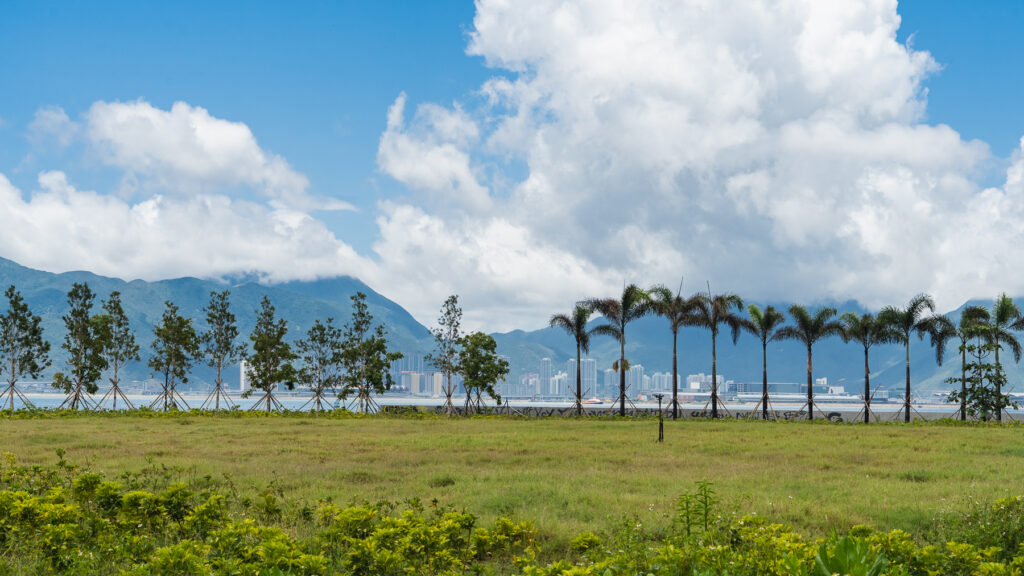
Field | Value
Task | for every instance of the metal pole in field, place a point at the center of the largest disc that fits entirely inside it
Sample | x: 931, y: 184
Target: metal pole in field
x: 661, y: 419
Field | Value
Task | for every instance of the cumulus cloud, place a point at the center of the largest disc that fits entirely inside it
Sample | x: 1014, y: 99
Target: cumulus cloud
x: 430, y: 155
x: 186, y: 150
x: 58, y: 227
x: 776, y: 148
x: 52, y: 124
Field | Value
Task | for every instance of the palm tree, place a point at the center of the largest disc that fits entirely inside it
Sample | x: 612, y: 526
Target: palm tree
x: 576, y: 325
x: 997, y: 323
x: 635, y: 303
x: 869, y: 331
x: 907, y: 320
x: 679, y: 312
x: 764, y: 324
x: 711, y: 312
x: 971, y: 319
x: 808, y: 328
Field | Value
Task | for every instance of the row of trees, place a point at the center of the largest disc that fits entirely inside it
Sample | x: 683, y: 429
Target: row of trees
x: 350, y: 362
x: 980, y: 332
x: 472, y: 355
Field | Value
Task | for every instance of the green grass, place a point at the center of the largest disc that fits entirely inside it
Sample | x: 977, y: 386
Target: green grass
x: 565, y: 475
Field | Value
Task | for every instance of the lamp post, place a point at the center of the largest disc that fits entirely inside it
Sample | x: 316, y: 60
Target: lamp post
x: 661, y: 420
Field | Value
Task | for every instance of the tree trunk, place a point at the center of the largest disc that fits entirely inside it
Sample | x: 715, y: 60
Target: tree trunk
x: 764, y: 380
x: 714, y: 378
x: 963, y: 383
x: 867, y: 388
x: 906, y: 399
x: 579, y: 382
x: 810, y: 386
x: 622, y: 373
x: 216, y: 400
x: 999, y: 386
x: 675, y: 376
x: 12, y: 381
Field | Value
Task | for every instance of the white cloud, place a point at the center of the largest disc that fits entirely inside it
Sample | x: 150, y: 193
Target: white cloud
x: 773, y: 147
x: 506, y: 279
x: 52, y: 124
x: 187, y: 150
x: 430, y: 155
x: 60, y: 228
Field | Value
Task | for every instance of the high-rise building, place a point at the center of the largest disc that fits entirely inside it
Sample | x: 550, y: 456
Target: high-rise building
x: 588, y: 376
x: 559, y: 385
x: 635, y: 380
x: 611, y: 383
x: 529, y: 384
x: 504, y: 386
x: 702, y: 382
x: 545, y: 376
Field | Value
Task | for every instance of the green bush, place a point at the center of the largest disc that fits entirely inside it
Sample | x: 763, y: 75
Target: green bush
x: 68, y: 520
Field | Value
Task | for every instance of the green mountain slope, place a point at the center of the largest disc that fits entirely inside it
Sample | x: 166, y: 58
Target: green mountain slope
x: 301, y: 303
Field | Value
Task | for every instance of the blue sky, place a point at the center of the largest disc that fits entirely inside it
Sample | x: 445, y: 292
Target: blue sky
x: 980, y: 49
x: 479, y: 162
x: 312, y: 82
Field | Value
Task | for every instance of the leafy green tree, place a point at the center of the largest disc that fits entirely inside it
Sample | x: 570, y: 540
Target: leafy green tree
x: 711, y: 313
x: 270, y: 363
x: 868, y: 331
x: 634, y: 304
x: 119, y: 345
x: 365, y: 357
x: 175, y: 350
x: 445, y: 356
x: 809, y: 328
x: 84, y: 345
x: 765, y: 325
x: 679, y: 312
x: 970, y: 326
x: 321, y: 355
x: 1004, y: 317
x: 576, y: 325
x: 218, y: 344
x: 481, y: 368
x: 915, y: 317
x: 23, y: 351
x: 982, y: 397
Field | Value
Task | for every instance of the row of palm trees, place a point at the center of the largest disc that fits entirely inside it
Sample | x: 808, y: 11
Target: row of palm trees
x: 892, y: 325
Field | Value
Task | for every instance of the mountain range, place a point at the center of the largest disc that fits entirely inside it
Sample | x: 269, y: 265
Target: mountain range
x: 649, y: 340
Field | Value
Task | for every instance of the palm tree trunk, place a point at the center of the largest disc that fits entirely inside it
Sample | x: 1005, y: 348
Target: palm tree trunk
x: 622, y: 373
x: 963, y: 383
x: 867, y: 388
x: 764, y: 380
x: 579, y: 383
x: 675, y: 376
x: 999, y: 386
x: 714, y: 378
x: 906, y: 399
x: 810, y: 386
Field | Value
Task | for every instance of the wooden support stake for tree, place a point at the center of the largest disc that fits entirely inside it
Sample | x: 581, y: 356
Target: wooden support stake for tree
x: 114, y: 392
x: 216, y: 395
x: 10, y: 393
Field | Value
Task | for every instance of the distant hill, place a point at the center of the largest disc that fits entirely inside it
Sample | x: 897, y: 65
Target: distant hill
x: 300, y: 303
x: 649, y: 340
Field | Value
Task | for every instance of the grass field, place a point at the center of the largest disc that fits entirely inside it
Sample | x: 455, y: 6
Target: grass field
x: 565, y: 475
